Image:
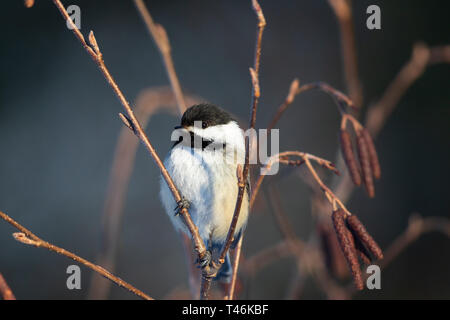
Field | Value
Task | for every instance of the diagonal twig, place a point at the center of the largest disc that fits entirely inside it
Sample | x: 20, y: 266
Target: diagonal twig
x: 295, y: 89
x: 256, y: 93
x: 27, y: 237
x: 131, y: 122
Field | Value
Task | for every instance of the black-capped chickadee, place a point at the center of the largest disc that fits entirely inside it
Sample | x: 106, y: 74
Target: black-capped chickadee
x: 203, y: 161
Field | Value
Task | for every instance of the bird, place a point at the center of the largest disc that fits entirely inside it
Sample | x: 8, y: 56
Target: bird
x: 203, y: 161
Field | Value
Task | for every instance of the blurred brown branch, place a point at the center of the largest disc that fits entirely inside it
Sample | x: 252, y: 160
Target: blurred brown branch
x: 5, y: 290
x: 368, y: 159
x: 306, y: 158
x: 343, y: 12
x: 421, y: 57
x: 161, y: 39
x: 27, y: 237
x: 417, y: 227
x: 295, y: 89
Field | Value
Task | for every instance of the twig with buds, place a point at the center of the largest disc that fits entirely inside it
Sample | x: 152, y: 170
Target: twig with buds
x: 305, y: 158
x: 133, y: 124
x: 295, y: 89
x: 366, y: 150
x: 27, y: 237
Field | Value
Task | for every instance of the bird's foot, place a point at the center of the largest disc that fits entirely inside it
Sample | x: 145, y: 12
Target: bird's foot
x: 205, y: 261
x: 182, y: 204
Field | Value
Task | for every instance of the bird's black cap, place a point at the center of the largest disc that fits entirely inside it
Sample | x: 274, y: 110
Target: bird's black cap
x: 208, y: 114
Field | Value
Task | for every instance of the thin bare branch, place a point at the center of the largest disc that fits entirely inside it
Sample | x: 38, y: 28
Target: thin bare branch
x: 293, y: 91
x: 27, y: 237
x: 417, y: 226
x: 342, y: 101
x: 306, y: 158
x: 240, y: 198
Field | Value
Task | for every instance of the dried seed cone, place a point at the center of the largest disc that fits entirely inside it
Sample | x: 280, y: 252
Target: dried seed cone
x: 366, y: 239
x: 347, y: 244
x: 363, y: 253
x: 365, y: 164
x: 334, y: 259
x: 349, y: 157
x: 373, y: 157
x: 364, y: 258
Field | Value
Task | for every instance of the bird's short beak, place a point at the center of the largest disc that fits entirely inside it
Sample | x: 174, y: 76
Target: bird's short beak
x: 178, y: 127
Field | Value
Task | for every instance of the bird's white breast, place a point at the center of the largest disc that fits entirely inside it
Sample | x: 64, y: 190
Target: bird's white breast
x: 209, y: 183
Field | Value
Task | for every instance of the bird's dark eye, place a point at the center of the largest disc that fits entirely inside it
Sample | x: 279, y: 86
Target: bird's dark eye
x: 204, y: 124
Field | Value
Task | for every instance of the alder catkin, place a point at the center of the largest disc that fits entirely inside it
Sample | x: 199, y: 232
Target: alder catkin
x: 349, y: 157
x: 364, y: 160
x: 373, y: 157
x: 366, y: 239
x: 362, y: 251
x: 347, y: 244
x: 334, y: 259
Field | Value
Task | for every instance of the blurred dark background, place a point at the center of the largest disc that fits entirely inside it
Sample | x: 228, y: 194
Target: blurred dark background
x: 59, y: 125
